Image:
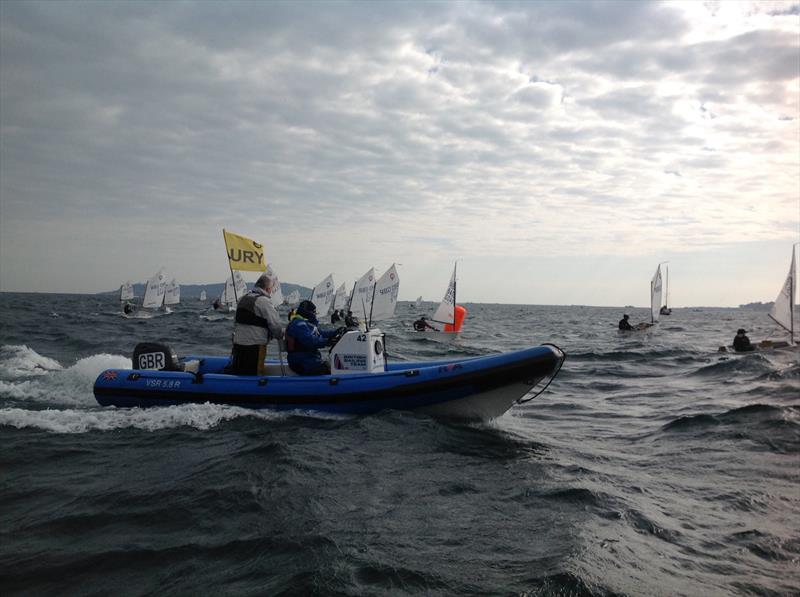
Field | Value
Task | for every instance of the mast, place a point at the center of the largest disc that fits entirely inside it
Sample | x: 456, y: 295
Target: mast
x: 666, y: 300
x: 652, y: 319
x: 791, y: 300
x: 455, y: 283
x: 230, y: 267
x: 371, y: 305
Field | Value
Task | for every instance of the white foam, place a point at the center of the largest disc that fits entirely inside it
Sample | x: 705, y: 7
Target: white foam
x: 30, y: 376
x: 199, y: 416
x: 18, y: 361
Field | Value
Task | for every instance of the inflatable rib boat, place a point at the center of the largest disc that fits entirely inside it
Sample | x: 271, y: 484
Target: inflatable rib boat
x: 361, y: 381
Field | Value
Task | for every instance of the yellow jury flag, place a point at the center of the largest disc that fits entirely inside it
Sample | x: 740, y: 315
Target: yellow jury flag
x: 244, y: 253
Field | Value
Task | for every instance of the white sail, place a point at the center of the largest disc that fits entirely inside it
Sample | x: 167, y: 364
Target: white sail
x: 445, y: 313
x: 418, y: 303
x: 385, y: 295
x: 361, y: 297
x: 241, y: 285
x: 202, y: 295
x: 230, y: 296
x: 173, y: 293
x: 276, y: 295
x: 322, y: 295
x: 782, y: 311
x: 655, y: 295
x: 155, y: 291
x: 293, y: 298
x: 340, y: 298
x: 126, y: 292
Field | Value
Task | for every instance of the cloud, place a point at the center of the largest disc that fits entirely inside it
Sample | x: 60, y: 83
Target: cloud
x: 351, y: 134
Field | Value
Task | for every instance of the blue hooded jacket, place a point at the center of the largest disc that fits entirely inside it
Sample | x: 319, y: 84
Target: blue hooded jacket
x: 304, y: 340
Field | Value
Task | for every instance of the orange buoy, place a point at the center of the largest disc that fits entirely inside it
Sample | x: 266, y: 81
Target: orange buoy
x: 459, y: 313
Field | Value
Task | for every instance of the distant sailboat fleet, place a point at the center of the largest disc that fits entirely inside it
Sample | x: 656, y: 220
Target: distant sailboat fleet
x: 376, y: 300
x: 159, y: 295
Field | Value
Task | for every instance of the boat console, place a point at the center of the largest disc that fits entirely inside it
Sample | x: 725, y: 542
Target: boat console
x: 359, y: 352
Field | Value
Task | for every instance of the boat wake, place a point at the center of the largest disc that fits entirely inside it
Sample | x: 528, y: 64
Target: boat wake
x: 38, y: 392
x: 197, y: 416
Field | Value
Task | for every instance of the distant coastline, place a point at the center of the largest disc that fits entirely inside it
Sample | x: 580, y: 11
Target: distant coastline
x: 757, y: 306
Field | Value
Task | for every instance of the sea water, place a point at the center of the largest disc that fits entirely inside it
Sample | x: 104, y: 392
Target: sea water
x: 653, y: 465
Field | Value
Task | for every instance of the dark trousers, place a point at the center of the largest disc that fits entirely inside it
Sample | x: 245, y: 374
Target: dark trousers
x: 247, y: 360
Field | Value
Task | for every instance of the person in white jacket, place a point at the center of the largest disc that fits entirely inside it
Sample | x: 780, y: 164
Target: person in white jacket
x: 256, y: 321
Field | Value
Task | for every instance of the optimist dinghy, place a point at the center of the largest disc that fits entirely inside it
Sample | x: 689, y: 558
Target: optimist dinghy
x: 361, y: 382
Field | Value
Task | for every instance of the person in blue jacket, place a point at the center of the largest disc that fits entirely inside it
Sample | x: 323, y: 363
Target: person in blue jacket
x: 304, y: 339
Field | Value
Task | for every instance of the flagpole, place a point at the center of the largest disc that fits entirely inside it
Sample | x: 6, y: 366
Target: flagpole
x: 233, y: 280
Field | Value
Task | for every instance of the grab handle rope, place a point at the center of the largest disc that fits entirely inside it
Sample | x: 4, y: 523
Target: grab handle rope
x: 523, y: 400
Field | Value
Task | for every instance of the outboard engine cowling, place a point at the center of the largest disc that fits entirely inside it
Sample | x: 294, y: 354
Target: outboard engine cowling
x: 153, y: 355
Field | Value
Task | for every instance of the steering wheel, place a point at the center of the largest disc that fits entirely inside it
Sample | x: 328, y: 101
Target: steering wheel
x: 337, y: 336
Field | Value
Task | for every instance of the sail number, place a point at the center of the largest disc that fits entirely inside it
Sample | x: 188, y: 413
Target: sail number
x: 152, y: 360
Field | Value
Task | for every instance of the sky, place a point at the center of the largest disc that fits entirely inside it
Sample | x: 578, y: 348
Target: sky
x: 558, y: 150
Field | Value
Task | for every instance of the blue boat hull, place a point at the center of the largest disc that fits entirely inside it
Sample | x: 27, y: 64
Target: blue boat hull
x: 475, y: 388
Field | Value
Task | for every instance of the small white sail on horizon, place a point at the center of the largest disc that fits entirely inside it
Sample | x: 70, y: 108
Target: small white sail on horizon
x: 384, y: 295
x: 293, y: 298
x: 361, y: 297
x: 655, y: 295
x: 322, y: 295
x: 235, y: 288
x: 340, y: 298
x: 126, y: 292
x: 782, y: 311
x: 276, y: 295
x: 203, y: 295
x: 155, y: 290
x: 172, y: 295
x: 418, y: 302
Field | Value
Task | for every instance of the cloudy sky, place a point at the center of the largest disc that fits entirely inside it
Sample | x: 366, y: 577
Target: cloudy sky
x: 559, y: 151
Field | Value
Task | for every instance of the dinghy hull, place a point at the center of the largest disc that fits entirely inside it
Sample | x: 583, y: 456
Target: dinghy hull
x: 479, y: 388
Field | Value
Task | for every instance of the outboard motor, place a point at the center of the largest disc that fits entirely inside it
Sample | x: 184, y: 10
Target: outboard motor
x: 153, y: 355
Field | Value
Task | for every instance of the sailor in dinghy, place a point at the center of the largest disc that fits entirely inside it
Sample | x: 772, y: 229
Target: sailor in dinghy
x: 449, y: 316
x: 782, y: 313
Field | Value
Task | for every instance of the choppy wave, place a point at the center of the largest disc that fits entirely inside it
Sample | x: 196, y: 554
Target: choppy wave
x: 197, y: 416
x: 653, y: 448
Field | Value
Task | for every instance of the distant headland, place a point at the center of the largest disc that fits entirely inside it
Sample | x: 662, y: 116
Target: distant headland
x: 757, y: 306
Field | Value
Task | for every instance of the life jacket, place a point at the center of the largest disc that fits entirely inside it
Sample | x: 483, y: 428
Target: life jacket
x: 246, y: 311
